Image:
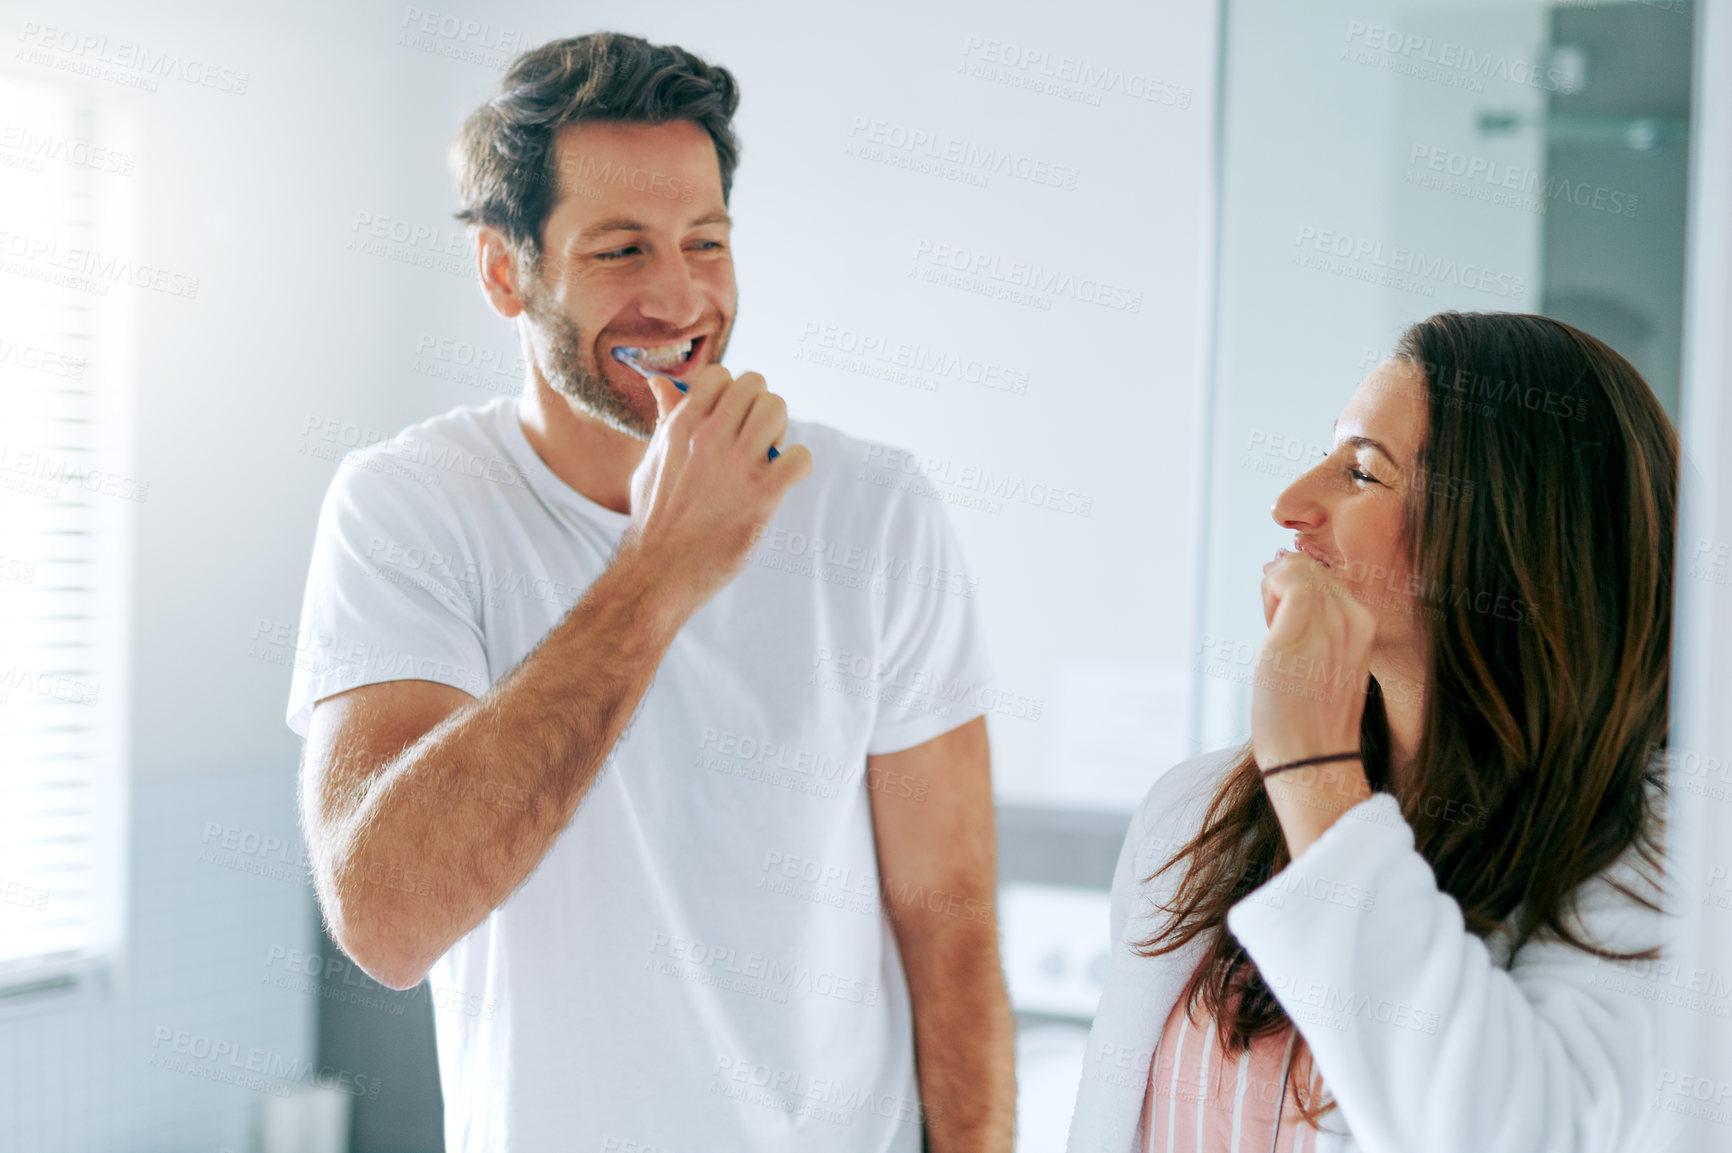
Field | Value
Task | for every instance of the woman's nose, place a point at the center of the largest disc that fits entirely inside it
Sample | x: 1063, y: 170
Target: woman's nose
x: 1298, y: 506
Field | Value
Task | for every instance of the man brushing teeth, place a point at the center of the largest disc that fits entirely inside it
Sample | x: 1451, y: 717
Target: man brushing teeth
x: 670, y: 359
x: 636, y: 268
x: 714, y: 900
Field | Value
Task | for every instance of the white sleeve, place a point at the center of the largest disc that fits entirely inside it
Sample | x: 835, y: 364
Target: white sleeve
x: 1423, y: 1040
x: 1140, y: 991
x: 1127, y: 885
x: 390, y: 593
x: 938, y: 671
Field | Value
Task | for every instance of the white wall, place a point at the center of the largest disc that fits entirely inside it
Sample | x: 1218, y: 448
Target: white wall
x: 299, y: 327
x: 1320, y: 128
x: 210, y: 933
x: 1701, y: 775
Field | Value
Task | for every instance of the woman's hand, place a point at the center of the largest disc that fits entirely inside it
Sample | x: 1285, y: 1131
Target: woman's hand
x: 1309, y: 694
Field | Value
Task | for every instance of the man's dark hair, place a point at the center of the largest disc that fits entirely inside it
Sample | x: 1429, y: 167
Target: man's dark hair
x: 505, y: 157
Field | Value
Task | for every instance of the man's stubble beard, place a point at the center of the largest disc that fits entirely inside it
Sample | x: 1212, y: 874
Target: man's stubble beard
x: 569, y: 373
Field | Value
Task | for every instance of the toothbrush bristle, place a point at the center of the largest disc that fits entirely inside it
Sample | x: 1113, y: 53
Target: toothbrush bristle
x: 626, y: 354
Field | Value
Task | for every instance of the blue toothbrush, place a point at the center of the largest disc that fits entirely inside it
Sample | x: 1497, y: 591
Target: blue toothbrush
x: 632, y: 358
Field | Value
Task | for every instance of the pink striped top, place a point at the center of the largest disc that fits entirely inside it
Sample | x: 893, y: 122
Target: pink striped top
x: 1200, y: 1102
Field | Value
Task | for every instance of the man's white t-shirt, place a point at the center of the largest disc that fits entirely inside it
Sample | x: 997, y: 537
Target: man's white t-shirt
x: 702, y: 960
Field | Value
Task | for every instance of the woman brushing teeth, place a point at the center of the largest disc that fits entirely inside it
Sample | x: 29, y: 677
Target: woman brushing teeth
x: 1410, y: 916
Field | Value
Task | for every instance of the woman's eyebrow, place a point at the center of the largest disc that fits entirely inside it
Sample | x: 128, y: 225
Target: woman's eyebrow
x: 1368, y: 442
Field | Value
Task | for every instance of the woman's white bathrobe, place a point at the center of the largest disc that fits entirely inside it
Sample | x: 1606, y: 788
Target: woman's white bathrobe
x: 1428, y: 1039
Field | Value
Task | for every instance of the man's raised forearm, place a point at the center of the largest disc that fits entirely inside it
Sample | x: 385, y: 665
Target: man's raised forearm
x: 427, y: 845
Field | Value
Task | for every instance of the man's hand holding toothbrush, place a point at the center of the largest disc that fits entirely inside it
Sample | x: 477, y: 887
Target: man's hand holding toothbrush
x: 708, y: 479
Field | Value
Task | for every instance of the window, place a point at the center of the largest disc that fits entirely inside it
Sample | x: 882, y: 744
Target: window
x: 68, y: 300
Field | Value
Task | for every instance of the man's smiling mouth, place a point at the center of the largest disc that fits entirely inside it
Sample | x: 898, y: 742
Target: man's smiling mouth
x: 668, y: 358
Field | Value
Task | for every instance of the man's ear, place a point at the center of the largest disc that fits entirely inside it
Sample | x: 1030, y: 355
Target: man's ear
x: 501, y: 272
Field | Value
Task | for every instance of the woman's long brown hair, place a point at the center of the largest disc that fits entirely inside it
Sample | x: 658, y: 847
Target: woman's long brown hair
x: 1543, y: 710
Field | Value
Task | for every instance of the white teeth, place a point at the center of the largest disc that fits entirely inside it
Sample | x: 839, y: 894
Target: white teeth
x: 667, y: 355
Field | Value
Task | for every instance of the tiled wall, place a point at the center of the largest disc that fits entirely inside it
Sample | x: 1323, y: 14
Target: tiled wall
x: 209, y: 928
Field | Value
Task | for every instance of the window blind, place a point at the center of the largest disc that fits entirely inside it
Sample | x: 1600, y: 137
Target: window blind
x: 68, y: 498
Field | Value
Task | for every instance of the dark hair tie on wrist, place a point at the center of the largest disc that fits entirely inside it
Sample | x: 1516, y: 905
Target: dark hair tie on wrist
x: 1267, y: 773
